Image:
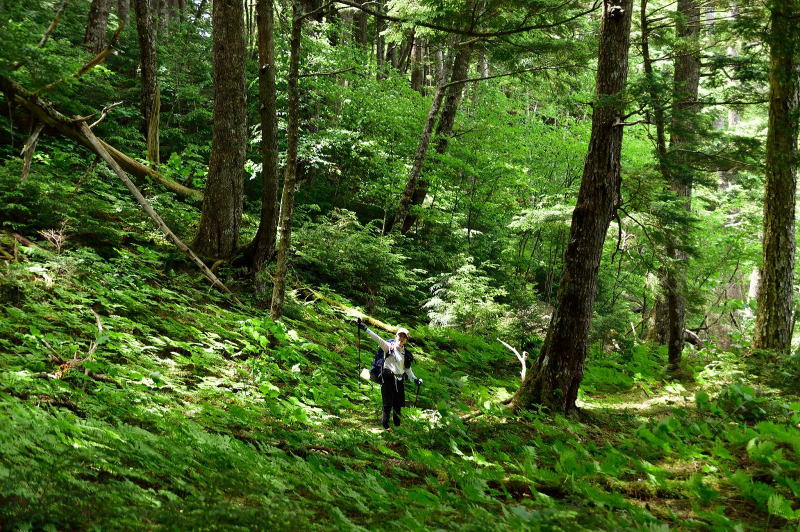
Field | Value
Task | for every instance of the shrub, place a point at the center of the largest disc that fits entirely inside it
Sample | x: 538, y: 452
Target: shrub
x: 358, y: 262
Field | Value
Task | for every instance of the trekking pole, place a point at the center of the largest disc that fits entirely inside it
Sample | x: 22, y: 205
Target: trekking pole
x: 416, y: 399
x: 358, y: 343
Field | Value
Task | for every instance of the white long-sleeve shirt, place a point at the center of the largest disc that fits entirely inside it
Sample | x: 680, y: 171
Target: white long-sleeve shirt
x: 394, y: 356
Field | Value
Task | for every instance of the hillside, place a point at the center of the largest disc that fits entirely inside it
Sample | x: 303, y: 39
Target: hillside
x: 133, y: 396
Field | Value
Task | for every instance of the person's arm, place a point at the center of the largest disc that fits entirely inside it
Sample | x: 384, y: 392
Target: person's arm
x: 411, y: 375
x: 381, y: 342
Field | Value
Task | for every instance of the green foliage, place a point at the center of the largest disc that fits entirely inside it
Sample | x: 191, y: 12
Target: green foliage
x: 358, y: 262
x: 466, y: 300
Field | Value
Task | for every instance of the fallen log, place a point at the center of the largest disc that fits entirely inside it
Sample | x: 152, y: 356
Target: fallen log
x: 44, y: 112
x: 350, y: 311
x: 103, y: 152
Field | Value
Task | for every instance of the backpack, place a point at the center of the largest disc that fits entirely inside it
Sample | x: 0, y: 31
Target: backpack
x: 376, y: 371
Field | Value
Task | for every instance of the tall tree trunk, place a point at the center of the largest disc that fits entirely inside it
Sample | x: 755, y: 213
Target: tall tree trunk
x: 95, y: 36
x: 682, y: 138
x: 380, y: 48
x: 265, y: 237
x: 290, y: 176
x: 444, y: 128
x: 123, y: 11
x: 151, y: 99
x: 774, y: 309
x: 360, y: 29
x: 419, y: 157
x: 218, y: 234
x: 558, y: 371
x: 417, y: 67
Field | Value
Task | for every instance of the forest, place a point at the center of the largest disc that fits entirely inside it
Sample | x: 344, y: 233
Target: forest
x: 399, y: 265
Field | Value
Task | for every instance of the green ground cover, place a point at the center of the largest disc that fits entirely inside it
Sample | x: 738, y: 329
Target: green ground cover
x: 192, y: 413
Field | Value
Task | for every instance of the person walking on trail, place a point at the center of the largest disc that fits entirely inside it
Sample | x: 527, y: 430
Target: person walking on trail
x: 395, y: 365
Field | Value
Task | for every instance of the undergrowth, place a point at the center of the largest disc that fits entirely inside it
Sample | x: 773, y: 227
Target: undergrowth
x: 192, y: 414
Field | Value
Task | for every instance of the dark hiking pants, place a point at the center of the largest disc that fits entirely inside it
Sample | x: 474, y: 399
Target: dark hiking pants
x: 393, y: 396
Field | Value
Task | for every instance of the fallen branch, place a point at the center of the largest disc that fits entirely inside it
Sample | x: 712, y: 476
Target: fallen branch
x: 101, y: 150
x: 104, y: 114
x: 47, y: 114
x: 28, y: 149
x: 25, y: 242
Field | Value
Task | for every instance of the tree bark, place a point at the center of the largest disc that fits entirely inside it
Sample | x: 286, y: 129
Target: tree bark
x: 774, y: 309
x: 123, y: 11
x: 264, y: 243
x: 554, y: 380
x: 380, y: 48
x: 220, y: 222
x: 360, y: 29
x: 290, y: 176
x: 95, y: 36
x: 151, y: 96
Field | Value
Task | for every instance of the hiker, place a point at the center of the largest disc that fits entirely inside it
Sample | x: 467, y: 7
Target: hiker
x: 395, y: 366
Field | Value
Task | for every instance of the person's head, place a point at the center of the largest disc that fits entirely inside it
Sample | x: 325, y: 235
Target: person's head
x: 401, y: 336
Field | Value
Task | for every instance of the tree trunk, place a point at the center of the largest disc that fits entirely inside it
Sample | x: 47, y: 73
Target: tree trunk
x: 774, y: 310
x: 264, y: 244
x: 419, y: 158
x: 380, y: 48
x: 123, y: 11
x: 444, y: 128
x: 682, y: 139
x: 290, y: 176
x: 454, y: 93
x: 360, y: 30
x: 554, y: 380
x: 95, y: 36
x: 417, y: 68
x: 218, y: 234
x: 151, y: 100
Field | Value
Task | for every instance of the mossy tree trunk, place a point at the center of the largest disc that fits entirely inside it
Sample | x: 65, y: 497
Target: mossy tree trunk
x: 686, y: 82
x: 264, y: 244
x: 774, y: 308
x: 220, y: 221
x: 151, y: 99
x: 558, y: 371
x: 444, y: 127
x: 290, y: 175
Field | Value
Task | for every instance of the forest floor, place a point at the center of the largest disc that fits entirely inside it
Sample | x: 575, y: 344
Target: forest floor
x: 132, y: 396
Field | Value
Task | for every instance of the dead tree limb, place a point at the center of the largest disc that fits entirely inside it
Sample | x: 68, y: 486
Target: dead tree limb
x: 43, y: 111
x: 107, y: 157
x: 28, y: 149
x: 521, y: 357
x: 104, y: 114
